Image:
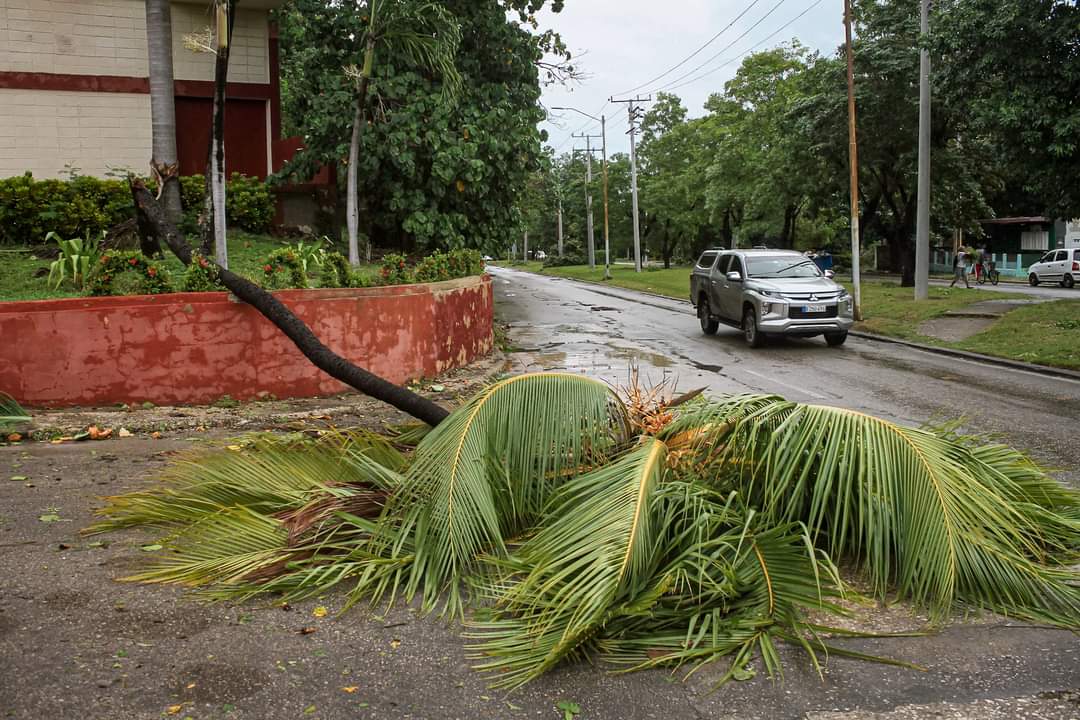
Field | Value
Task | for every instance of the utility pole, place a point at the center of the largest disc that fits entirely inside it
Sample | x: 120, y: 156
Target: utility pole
x: 560, y: 226
x: 525, y: 256
x: 634, y: 111
x: 603, y: 152
x: 588, y: 196
x: 853, y: 161
x: 922, y: 217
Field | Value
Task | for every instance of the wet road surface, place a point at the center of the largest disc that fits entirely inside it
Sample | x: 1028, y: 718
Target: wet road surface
x: 600, y: 331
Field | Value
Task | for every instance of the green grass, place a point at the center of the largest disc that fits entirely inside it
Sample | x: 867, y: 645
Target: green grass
x: 1046, y: 333
x: 247, y: 254
x: 889, y: 309
x: 673, y: 283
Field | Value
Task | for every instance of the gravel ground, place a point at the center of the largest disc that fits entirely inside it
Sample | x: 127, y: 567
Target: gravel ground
x: 75, y: 643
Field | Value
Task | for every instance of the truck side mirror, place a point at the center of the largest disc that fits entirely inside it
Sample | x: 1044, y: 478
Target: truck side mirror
x: 734, y: 276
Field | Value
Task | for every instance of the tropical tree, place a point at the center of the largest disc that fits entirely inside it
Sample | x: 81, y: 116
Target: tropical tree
x: 428, y: 37
x: 431, y: 174
x: 646, y: 529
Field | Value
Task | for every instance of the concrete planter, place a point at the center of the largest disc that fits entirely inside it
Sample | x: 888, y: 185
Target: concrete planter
x: 193, y: 348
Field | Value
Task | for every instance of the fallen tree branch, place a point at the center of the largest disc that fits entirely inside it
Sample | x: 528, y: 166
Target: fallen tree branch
x: 419, y: 407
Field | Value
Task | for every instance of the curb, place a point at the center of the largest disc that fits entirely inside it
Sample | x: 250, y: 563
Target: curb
x: 1046, y: 370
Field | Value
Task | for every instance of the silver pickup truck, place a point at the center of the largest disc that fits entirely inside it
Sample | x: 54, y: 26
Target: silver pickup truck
x: 769, y: 292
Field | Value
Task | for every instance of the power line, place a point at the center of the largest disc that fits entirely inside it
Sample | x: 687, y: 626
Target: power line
x: 727, y: 47
x: 691, y: 56
x: 761, y: 42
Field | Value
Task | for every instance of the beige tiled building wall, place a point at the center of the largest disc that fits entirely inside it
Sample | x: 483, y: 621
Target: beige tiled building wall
x: 108, y: 37
x: 43, y: 130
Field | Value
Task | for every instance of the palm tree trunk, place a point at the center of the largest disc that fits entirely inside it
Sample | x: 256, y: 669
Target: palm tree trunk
x: 359, y: 121
x: 294, y: 328
x: 352, y: 215
x: 162, y: 113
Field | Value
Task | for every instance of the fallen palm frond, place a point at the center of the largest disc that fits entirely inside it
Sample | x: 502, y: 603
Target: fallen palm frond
x: 929, y: 516
x: 269, y: 476
x: 596, y: 550
x: 12, y: 415
x: 486, y: 472
x: 659, y: 532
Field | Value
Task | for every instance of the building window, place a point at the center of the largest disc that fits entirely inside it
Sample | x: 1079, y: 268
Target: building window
x: 1035, y: 240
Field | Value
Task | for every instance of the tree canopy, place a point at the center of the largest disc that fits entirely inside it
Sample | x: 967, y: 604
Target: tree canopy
x: 433, y: 174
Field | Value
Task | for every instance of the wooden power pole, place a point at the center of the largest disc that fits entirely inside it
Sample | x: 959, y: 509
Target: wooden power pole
x: 853, y: 161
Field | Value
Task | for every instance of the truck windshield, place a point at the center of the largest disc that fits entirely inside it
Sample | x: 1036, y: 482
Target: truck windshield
x: 780, y: 267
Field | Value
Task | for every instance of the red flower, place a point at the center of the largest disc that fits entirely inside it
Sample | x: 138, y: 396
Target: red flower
x: 151, y: 271
x: 268, y: 269
x: 104, y: 259
x: 203, y: 263
x: 401, y: 264
x: 133, y: 261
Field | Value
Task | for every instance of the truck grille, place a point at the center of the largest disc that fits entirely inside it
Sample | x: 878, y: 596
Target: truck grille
x: 796, y: 313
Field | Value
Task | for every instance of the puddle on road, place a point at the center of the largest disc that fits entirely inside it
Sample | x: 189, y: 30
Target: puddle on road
x: 654, y: 359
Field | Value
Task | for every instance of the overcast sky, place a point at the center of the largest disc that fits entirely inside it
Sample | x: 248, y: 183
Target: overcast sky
x: 621, y: 44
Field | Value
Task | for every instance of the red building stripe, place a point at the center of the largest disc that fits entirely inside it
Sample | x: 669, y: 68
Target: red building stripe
x: 120, y: 84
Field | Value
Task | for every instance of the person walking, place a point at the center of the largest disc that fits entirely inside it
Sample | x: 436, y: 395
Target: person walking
x: 960, y: 269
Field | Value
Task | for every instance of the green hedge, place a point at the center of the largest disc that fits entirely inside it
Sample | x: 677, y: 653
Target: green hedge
x: 29, y: 208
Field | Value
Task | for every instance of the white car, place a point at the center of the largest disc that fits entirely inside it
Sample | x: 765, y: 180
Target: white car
x: 1060, y: 266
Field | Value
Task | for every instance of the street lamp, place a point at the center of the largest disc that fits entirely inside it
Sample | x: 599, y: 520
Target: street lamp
x: 603, y: 150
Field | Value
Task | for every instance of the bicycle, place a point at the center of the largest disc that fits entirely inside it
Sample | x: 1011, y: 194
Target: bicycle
x: 989, y: 271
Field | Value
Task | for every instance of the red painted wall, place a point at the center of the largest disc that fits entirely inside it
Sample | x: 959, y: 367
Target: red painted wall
x: 196, y: 347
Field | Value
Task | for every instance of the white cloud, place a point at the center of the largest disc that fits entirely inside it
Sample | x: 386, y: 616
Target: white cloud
x: 624, y: 43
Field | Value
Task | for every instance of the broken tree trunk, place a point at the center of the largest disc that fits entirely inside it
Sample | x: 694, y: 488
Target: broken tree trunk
x: 153, y: 215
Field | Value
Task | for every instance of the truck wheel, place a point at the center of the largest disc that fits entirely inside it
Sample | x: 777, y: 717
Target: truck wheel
x: 709, y: 324
x: 750, y: 329
x: 835, y: 339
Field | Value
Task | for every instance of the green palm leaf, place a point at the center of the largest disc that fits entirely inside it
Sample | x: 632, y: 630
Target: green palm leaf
x: 268, y: 477
x: 487, y: 471
x: 226, y: 547
x: 12, y: 415
x: 597, y: 551
x: 936, y: 519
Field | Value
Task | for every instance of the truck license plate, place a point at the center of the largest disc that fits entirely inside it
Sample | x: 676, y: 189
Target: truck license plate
x: 813, y: 308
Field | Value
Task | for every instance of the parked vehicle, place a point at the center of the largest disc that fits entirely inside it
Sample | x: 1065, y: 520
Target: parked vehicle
x: 769, y: 292
x: 1060, y: 266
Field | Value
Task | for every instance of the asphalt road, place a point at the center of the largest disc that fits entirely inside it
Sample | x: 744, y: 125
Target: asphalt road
x: 599, y: 331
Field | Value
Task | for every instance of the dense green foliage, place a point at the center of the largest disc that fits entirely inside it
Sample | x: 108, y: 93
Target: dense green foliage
x: 29, y: 208
x: 641, y: 529
x: 433, y: 174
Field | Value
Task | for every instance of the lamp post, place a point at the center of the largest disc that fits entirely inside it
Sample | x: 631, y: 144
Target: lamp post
x: 603, y: 151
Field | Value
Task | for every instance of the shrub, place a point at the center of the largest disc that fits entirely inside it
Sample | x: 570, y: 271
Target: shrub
x: 337, y: 273
x: 283, y: 269
x: 200, y: 276
x: 464, y: 263
x: 395, y: 270
x: 29, y: 208
x: 248, y: 202
x: 433, y: 268
x: 129, y: 273
x: 564, y: 261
